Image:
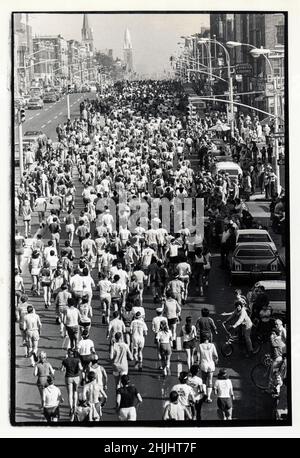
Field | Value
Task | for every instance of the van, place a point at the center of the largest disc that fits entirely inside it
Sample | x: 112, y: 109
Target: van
x: 232, y: 168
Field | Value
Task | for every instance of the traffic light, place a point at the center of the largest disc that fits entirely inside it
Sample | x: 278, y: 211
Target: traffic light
x: 22, y: 115
x: 69, y: 88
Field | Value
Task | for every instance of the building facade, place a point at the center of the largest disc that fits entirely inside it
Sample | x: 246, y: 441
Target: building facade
x: 51, y: 59
x: 257, y: 78
x: 23, y: 49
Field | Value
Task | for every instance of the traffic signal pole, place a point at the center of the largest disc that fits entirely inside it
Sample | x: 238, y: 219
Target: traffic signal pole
x: 68, y: 105
x: 20, y: 145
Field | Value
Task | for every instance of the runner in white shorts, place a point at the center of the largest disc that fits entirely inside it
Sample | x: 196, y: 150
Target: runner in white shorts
x: 138, y: 330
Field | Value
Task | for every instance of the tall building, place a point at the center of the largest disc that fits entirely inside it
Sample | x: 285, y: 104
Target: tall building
x: 259, y: 30
x: 127, y: 49
x: 51, y: 58
x: 87, y: 34
x: 22, y: 53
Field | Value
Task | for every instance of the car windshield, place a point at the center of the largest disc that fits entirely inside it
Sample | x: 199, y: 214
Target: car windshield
x: 32, y: 133
x: 257, y: 253
x: 242, y: 238
x: 276, y: 294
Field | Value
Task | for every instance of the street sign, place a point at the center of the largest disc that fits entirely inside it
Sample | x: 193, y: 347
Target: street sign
x: 239, y: 77
x: 244, y: 69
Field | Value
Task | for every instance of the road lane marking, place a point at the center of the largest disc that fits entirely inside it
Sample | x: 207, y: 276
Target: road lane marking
x: 46, y: 109
x: 43, y: 126
x: 55, y: 117
x: 49, y: 121
x: 29, y: 118
x: 179, y: 369
x: 60, y: 113
x: 38, y: 114
x: 178, y: 343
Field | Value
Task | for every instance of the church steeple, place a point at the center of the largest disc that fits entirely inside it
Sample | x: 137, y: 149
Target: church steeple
x: 127, y: 50
x: 87, y: 33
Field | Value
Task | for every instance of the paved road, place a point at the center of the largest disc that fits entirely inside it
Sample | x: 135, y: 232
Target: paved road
x: 48, y: 118
x: 249, y: 404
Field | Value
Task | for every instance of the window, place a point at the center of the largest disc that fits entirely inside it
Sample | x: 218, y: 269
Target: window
x: 280, y: 34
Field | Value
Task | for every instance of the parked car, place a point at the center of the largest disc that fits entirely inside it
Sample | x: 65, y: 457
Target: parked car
x: 255, y: 260
x: 255, y: 236
x: 232, y: 168
x: 35, y: 102
x: 276, y: 292
x: 31, y: 138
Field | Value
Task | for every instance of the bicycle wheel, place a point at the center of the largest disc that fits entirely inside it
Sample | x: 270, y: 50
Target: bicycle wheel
x: 260, y: 376
x: 227, y: 349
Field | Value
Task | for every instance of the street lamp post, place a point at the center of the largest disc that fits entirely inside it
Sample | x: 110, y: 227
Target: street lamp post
x: 257, y: 52
x: 230, y: 113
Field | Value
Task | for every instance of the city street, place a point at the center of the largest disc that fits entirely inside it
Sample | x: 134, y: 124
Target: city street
x: 200, y: 129
x: 154, y: 389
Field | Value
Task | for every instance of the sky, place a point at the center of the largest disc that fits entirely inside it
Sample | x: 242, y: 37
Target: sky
x: 154, y: 37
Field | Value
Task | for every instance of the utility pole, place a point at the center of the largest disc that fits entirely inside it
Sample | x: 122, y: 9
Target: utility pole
x: 68, y: 101
x: 20, y: 130
x: 276, y: 155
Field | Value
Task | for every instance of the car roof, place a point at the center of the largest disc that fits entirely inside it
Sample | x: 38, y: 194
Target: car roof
x: 252, y: 231
x: 32, y: 133
x: 272, y: 284
x: 228, y: 164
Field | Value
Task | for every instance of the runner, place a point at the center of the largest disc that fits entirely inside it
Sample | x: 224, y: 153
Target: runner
x: 138, y: 331
x: 127, y: 395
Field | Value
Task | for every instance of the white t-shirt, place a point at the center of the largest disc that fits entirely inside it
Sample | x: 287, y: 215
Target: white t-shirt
x: 138, y: 329
x: 85, y: 347
x: 157, y: 320
x: 88, y: 283
x: 76, y: 283
x: 185, y: 393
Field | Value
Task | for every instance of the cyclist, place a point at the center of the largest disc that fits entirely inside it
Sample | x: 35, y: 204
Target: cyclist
x: 241, y: 318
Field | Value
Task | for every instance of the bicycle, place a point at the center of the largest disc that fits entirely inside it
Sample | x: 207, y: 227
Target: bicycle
x: 261, y: 373
x: 227, y: 348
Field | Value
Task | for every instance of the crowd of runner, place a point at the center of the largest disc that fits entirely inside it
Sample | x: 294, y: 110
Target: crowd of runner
x: 130, y: 146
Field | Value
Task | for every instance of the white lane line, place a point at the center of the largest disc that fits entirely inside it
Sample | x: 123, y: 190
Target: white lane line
x: 48, y: 122
x: 50, y: 107
x: 43, y: 126
x: 179, y: 369
x: 60, y: 113
x: 55, y: 117
x: 38, y: 114
x: 178, y: 343
x: 46, y: 109
x: 29, y: 118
